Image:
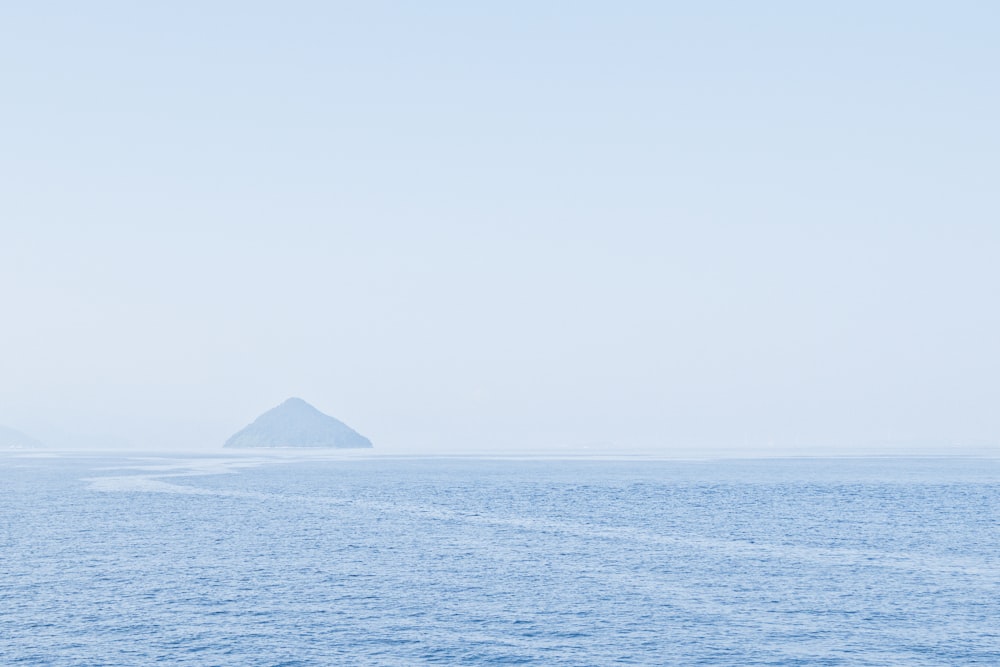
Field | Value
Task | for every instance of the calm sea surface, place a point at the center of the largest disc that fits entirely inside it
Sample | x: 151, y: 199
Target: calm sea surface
x: 378, y: 561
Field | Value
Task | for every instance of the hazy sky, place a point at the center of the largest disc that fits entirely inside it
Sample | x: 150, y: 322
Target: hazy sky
x: 457, y: 224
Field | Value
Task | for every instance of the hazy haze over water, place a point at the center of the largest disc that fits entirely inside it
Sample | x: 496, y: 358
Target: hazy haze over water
x: 478, y: 227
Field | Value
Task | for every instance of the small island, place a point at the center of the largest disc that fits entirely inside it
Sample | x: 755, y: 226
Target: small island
x: 295, y: 423
x: 11, y: 439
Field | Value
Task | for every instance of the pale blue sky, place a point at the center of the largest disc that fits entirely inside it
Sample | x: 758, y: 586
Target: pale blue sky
x: 484, y: 224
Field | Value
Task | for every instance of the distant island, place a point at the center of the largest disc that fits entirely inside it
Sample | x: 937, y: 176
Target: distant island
x: 295, y: 423
x: 11, y: 439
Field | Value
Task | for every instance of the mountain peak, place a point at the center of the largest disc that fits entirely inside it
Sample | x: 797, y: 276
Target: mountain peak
x: 296, y: 423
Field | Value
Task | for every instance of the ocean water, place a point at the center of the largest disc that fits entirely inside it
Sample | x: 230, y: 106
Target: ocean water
x: 251, y: 560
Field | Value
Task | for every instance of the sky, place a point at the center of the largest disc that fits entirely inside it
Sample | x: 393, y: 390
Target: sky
x: 503, y: 226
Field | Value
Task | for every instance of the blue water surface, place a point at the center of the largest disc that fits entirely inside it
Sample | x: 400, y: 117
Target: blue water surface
x: 257, y: 560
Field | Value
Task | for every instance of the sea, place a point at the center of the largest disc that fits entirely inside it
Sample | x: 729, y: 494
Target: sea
x: 250, y: 559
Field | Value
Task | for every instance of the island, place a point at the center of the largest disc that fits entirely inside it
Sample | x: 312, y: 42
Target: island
x: 11, y: 439
x: 295, y: 423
